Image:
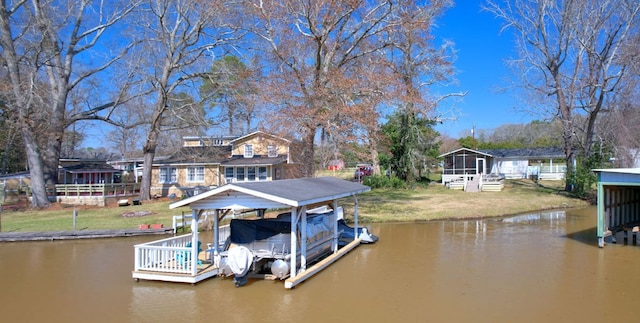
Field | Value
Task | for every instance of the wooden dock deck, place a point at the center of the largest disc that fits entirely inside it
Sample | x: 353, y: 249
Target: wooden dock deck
x: 79, y: 234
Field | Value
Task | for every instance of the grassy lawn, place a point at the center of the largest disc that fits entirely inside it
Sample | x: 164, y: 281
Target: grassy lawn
x: 422, y: 204
x: 59, y: 218
x: 437, y: 202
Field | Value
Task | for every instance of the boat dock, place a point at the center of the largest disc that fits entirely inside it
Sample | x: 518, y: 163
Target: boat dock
x: 79, y: 234
x: 170, y: 259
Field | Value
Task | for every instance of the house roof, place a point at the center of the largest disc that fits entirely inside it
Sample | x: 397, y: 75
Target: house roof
x: 198, y: 154
x: 632, y: 171
x: 546, y: 152
x: 461, y: 149
x: 272, y: 194
x: 619, y: 176
x: 90, y: 167
x: 259, y: 133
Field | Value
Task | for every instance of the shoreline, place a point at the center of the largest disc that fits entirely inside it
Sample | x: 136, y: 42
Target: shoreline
x: 424, y: 203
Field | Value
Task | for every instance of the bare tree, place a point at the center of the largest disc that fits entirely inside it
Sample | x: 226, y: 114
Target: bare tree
x: 418, y: 65
x: 125, y: 137
x: 570, y: 51
x: 43, y: 43
x: 331, y: 65
x: 313, y: 54
x: 231, y: 86
x: 180, y: 39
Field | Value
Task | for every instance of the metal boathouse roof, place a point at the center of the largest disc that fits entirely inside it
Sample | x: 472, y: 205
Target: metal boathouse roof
x: 273, y: 194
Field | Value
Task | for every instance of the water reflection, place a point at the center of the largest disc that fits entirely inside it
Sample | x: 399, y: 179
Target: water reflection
x: 528, y: 268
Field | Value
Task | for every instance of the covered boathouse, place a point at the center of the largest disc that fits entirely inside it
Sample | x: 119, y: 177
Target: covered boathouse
x: 618, y: 203
x: 170, y: 259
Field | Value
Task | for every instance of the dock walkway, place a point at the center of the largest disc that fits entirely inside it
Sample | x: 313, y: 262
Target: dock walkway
x: 79, y: 234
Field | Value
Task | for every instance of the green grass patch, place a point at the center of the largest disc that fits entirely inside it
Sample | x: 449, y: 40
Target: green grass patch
x: 424, y: 203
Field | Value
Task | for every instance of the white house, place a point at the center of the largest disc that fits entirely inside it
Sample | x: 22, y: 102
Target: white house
x: 543, y: 163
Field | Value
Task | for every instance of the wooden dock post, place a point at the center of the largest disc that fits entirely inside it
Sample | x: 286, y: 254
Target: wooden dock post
x: 75, y: 215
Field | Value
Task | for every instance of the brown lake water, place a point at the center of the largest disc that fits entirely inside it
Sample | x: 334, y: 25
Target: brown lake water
x: 529, y: 268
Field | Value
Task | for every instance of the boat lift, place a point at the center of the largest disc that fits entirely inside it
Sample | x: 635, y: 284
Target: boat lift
x: 294, y: 195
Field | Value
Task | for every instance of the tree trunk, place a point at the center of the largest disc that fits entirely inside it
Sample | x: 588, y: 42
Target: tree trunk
x: 308, y: 152
x: 39, y: 196
x: 149, y: 151
x: 51, y: 154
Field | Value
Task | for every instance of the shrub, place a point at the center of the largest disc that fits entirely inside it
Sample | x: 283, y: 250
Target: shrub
x: 377, y: 181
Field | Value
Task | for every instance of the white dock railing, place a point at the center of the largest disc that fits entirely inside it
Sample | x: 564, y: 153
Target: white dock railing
x: 184, y: 221
x: 170, y: 255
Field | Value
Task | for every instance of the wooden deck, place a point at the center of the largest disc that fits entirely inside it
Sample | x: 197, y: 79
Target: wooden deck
x: 205, y: 270
x: 80, y: 234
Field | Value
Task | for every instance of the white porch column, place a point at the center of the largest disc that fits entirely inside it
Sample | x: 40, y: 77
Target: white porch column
x: 294, y: 241
x: 355, y: 217
x: 216, y: 232
x: 303, y: 238
x: 334, y: 221
x: 194, y: 241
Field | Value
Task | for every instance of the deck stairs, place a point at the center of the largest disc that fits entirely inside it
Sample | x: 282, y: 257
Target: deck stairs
x: 473, y: 184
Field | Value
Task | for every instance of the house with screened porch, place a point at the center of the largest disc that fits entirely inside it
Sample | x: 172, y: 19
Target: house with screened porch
x: 204, y: 163
x: 464, y: 167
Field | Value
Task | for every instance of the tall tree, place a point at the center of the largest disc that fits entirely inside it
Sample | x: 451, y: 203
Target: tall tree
x: 570, y: 51
x: 179, y: 38
x: 315, y: 54
x: 231, y: 86
x: 331, y: 64
x: 125, y: 136
x: 413, y: 144
x: 418, y: 65
x: 43, y: 43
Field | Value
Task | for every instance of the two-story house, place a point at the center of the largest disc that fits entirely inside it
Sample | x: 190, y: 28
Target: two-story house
x: 205, y: 162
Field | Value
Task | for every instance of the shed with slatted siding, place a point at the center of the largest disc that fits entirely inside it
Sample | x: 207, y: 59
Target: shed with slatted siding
x: 618, y: 204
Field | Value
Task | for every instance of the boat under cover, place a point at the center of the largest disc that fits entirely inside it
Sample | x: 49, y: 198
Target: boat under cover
x: 262, y: 246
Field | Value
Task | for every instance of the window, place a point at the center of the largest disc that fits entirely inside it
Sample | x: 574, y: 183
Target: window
x: 272, y: 150
x: 251, y: 173
x: 248, y: 151
x: 240, y: 174
x: 195, y: 174
x: 262, y: 173
x: 168, y: 175
x: 228, y: 174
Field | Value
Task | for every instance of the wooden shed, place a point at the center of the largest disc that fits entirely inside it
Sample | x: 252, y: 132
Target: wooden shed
x: 618, y: 203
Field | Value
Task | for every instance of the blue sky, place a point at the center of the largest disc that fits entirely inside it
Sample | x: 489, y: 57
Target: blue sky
x: 480, y: 69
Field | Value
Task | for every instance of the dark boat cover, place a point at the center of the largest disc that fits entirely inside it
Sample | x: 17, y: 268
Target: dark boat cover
x: 247, y: 231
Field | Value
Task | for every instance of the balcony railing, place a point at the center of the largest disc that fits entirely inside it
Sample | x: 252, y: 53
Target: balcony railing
x: 118, y: 189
